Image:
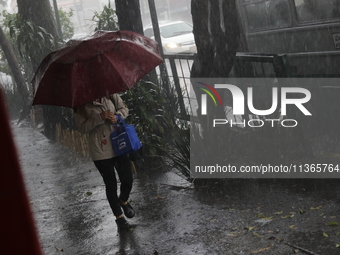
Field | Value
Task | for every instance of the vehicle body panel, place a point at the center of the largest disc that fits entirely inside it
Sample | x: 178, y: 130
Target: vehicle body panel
x: 312, y: 46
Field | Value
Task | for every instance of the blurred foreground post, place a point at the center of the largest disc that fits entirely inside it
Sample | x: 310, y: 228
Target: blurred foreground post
x: 18, y: 233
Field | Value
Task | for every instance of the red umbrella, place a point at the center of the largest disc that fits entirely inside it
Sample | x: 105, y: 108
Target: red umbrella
x: 85, y: 69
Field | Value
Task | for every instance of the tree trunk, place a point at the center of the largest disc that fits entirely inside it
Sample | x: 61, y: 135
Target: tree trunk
x: 216, y: 32
x: 40, y: 13
x: 129, y: 16
x: 231, y: 35
x: 130, y: 19
x: 202, y: 66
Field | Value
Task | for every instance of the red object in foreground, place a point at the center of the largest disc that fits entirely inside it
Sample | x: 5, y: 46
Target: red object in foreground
x: 105, y: 63
x: 17, y: 232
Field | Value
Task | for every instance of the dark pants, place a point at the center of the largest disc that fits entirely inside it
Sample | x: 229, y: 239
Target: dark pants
x: 123, y: 167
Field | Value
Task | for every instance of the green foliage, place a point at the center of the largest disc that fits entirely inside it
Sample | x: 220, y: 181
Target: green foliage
x: 177, y: 139
x: 163, y: 136
x: 7, y: 17
x: 67, y: 27
x: 106, y: 20
x: 147, y: 113
x: 178, y: 148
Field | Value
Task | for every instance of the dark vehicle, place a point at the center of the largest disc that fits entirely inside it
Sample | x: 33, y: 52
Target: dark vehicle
x: 308, y: 31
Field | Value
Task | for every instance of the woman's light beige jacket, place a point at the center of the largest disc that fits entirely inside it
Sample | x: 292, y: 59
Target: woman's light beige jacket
x: 89, y: 122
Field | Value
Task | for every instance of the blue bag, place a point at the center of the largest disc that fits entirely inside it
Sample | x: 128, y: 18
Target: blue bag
x: 124, y: 138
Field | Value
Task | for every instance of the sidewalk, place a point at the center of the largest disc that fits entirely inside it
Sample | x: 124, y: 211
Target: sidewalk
x: 73, y: 216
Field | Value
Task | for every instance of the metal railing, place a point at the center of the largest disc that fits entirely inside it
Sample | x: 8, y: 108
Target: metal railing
x: 246, y: 65
x: 179, y: 68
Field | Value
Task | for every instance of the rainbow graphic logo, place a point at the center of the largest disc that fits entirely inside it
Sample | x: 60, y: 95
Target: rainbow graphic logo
x: 212, y: 93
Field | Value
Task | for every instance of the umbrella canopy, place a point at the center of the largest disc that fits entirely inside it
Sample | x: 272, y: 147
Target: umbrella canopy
x: 89, y: 68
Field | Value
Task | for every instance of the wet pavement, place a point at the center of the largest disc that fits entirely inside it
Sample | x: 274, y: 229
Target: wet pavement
x: 172, y: 216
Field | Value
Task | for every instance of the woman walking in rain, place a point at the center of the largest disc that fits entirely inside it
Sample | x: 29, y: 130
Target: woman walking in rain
x: 96, y: 118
